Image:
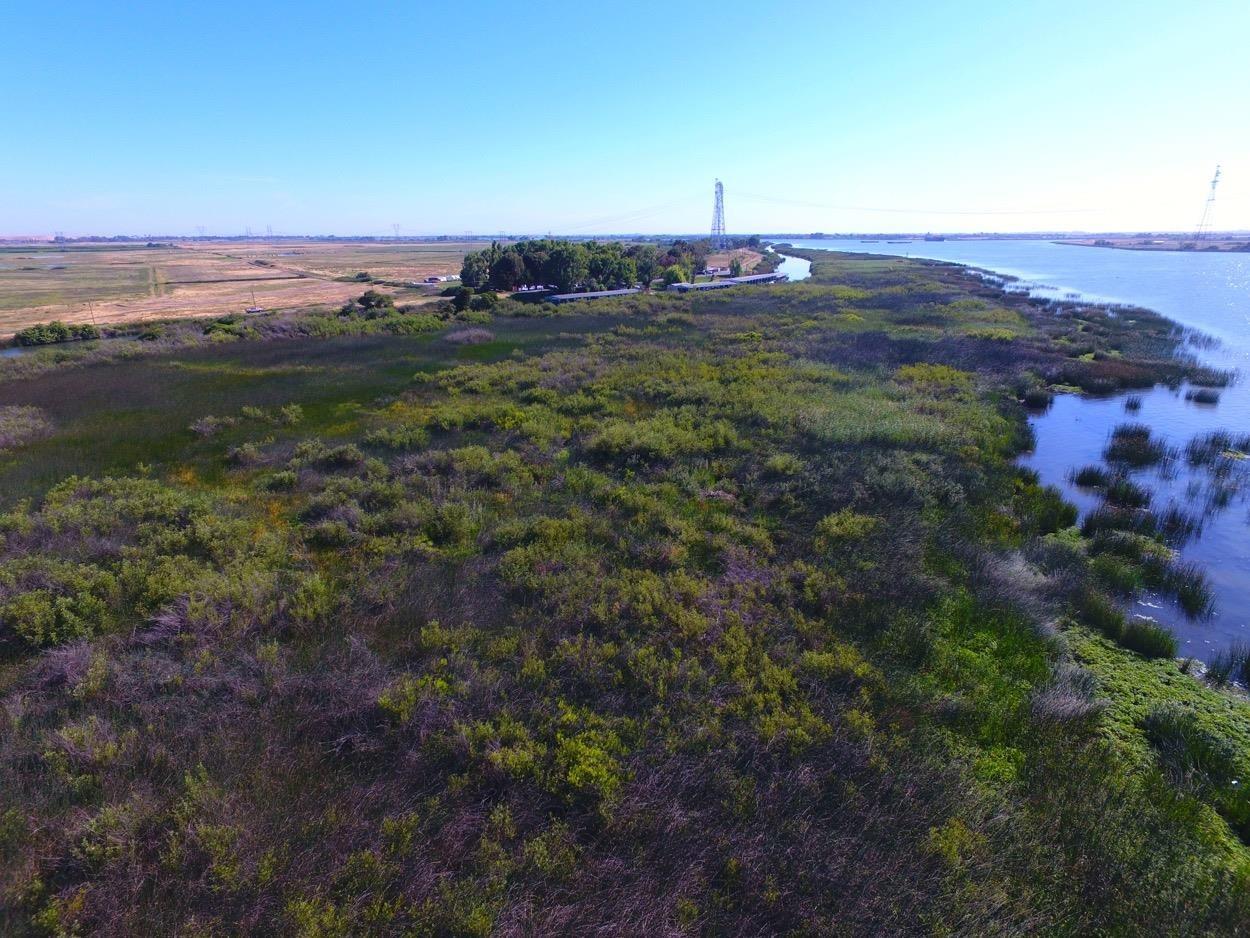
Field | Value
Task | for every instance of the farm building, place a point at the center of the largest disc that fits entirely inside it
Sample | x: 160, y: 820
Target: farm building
x: 596, y: 295
x: 729, y: 282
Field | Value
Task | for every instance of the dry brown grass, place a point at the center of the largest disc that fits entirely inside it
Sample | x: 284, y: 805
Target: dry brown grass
x: 126, y: 283
x: 748, y: 257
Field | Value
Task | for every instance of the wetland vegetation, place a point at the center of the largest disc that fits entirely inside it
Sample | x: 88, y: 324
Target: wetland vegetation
x: 726, y: 613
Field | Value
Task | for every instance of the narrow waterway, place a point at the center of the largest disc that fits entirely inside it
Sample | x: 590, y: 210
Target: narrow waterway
x: 795, y: 268
x: 1204, y: 291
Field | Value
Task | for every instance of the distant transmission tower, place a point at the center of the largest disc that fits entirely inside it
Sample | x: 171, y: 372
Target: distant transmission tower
x: 718, y: 217
x: 200, y: 229
x: 1204, y: 226
x: 395, y: 228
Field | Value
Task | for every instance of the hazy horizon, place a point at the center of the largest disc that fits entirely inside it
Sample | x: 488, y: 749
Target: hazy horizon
x: 579, y: 121
x: 486, y: 237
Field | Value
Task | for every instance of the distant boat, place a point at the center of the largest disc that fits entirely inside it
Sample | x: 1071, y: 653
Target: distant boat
x: 898, y: 242
x: 867, y: 241
x: 935, y: 237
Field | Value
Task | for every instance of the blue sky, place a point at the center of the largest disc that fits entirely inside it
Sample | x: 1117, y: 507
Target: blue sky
x: 318, y: 117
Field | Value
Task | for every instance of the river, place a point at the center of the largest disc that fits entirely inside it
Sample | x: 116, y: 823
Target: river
x: 1208, y: 292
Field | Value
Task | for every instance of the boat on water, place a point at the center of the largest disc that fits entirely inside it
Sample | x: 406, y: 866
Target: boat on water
x: 898, y: 242
x: 865, y: 241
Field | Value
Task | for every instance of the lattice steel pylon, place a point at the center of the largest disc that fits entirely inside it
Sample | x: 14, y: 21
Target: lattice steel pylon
x: 718, y: 217
x: 1204, y: 226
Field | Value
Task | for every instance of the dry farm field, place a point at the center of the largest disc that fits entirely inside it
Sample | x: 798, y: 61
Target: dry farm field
x: 134, y: 282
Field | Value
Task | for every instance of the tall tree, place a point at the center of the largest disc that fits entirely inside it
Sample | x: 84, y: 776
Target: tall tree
x: 646, y: 262
x: 475, y: 271
x: 567, y: 266
x: 675, y: 273
x: 508, y: 271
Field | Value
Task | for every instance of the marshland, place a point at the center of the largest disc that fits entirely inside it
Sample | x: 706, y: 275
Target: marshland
x: 1208, y: 298
x: 733, y: 612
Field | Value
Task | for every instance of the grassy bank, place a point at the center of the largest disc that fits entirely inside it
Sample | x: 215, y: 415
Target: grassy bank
x: 706, y: 614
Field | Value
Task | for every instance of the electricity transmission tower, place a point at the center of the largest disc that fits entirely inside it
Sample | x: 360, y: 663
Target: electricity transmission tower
x: 200, y: 229
x: 1204, y: 226
x: 718, y: 217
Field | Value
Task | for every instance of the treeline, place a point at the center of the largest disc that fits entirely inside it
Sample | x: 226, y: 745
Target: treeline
x: 571, y: 266
x: 565, y: 265
x: 51, y: 333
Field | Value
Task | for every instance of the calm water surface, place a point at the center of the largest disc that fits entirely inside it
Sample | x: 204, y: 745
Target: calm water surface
x: 1206, y: 291
x: 796, y: 268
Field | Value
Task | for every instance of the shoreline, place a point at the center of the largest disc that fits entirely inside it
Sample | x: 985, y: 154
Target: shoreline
x: 1171, y: 245
x: 1180, y: 370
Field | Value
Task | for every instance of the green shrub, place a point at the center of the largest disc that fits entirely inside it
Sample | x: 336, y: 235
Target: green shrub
x: 783, y: 464
x: 1098, y: 612
x: 1041, y: 509
x: 1116, y: 574
x: 401, y: 437
x: 1090, y: 477
x: 843, y: 526
x: 1123, y: 492
x: 587, y: 764
x: 283, y: 481
x: 1037, y: 398
x: 1148, y: 639
x: 141, y: 548
x: 1189, y: 584
x: 56, y: 332
x: 1134, y: 445
x: 1192, y: 754
x: 663, y: 437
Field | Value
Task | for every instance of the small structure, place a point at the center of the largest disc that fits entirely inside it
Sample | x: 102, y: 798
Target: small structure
x: 748, y: 280
x: 596, y: 295
x: 773, y: 277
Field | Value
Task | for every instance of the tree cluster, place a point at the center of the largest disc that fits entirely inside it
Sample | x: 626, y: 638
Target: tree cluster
x: 52, y: 333
x: 575, y: 265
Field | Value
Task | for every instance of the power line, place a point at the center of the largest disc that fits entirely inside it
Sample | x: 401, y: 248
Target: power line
x: 906, y: 211
x: 631, y: 216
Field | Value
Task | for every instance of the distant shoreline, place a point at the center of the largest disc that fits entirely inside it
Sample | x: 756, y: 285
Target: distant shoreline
x: 1183, y: 245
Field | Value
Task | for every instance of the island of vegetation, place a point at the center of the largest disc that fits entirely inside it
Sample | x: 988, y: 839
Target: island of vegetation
x: 723, y: 613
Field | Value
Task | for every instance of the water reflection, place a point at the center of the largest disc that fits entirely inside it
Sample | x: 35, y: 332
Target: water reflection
x: 1207, y: 292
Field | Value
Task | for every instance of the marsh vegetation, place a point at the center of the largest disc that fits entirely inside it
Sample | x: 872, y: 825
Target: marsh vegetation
x: 724, y: 613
